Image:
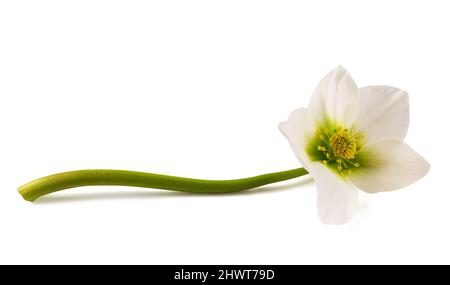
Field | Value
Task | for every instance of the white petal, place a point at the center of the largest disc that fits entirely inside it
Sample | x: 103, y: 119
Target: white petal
x: 294, y: 130
x: 383, y: 113
x: 395, y: 166
x: 337, y: 198
x: 335, y: 98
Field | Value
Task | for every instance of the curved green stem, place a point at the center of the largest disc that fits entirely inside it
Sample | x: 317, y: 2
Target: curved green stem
x: 91, y: 177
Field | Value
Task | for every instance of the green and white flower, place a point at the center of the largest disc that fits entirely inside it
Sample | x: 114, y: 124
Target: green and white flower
x: 350, y: 138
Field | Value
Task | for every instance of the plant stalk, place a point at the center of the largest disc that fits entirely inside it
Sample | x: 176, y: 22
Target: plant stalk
x: 95, y: 177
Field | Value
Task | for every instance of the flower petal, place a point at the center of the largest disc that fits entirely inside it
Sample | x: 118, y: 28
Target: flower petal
x: 394, y: 166
x: 383, y: 113
x: 337, y: 198
x: 294, y: 129
x: 335, y: 98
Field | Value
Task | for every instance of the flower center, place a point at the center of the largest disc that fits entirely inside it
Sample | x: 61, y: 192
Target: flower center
x: 336, y: 147
x: 343, y: 144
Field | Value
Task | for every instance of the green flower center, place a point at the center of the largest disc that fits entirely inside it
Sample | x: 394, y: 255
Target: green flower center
x: 336, y: 147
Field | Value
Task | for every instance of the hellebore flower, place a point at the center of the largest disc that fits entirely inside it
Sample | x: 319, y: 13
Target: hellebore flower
x: 350, y: 138
x: 347, y: 138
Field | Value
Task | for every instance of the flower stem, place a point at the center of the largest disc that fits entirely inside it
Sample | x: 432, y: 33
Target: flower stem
x: 92, y: 177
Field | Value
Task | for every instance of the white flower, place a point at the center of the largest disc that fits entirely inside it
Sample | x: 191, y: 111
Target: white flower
x: 350, y: 138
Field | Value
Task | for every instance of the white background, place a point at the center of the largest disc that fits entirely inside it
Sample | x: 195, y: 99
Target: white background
x: 197, y: 89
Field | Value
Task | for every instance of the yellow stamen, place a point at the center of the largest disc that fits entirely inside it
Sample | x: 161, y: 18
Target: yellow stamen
x: 337, y: 147
x: 343, y: 144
